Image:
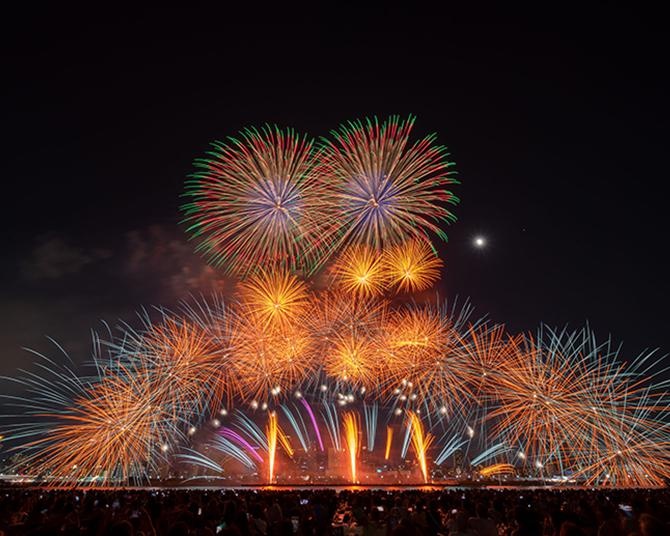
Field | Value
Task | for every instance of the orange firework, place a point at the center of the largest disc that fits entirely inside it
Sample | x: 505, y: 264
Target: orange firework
x: 276, y: 297
x: 352, y: 441
x: 360, y: 271
x: 272, y: 432
x: 553, y: 401
x: 112, y: 434
x: 486, y: 351
x: 412, y: 266
x: 354, y: 359
x: 421, y: 442
x: 421, y: 351
x: 179, y: 359
x: 389, y: 439
x: 264, y: 361
x: 497, y: 469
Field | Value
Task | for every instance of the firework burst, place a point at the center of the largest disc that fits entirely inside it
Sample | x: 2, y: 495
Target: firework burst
x: 421, y: 351
x: 355, y: 360
x: 112, y: 433
x: 276, y: 298
x: 386, y: 190
x: 360, y: 272
x: 257, y: 201
x: 412, y: 266
x: 265, y: 362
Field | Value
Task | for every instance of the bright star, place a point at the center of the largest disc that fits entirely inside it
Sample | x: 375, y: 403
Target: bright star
x: 479, y: 241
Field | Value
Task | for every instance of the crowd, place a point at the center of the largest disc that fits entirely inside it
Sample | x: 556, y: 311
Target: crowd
x: 449, y: 512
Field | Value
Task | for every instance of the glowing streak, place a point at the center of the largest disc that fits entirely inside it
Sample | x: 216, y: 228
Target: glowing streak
x: 250, y: 428
x: 314, y: 424
x: 272, y: 431
x: 405, y: 441
x: 351, y: 424
x: 226, y: 446
x: 232, y: 435
x: 421, y: 442
x: 332, y: 425
x: 449, y: 448
x: 302, y: 437
x: 497, y: 469
x: 371, y: 413
x: 389, y: 439
x: 492, y: 452
x: 285, y: 443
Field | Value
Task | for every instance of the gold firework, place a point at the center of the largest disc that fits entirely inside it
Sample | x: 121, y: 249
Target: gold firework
x: 412, y: 266
x: 360, y: 272
x: 276, y: 297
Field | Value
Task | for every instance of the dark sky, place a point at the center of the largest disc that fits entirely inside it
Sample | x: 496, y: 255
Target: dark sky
x: 557, y: 120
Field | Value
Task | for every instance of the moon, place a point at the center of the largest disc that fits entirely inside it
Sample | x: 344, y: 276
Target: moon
x: 479, y: 241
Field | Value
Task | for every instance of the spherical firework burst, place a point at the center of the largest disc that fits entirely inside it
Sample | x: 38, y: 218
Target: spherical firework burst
x: 354, y: 359
x: 412, y: 266
x: 267, y: 362
x: 421, y: 353
x: 486, y: 351
x: 558, y: 399
x: 360, y: 271
x: 113, y: 433
x: 257, y: 201
x: 276, y: 297
x: 181, y: 361
x: 386, y: 190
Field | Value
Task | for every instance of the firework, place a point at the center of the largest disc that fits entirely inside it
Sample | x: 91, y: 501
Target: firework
x: 352, y: 441
x: 272, y: 432
x: 544, y: 396
x: 412, y: 266
x: 265, y: 362
x: 257, y: 201
x: 421, y: 351
x: 386, y: 190
x: 113, y: 433
x: 360, y: 272
x: 389, y: 439
x: 355, y: 360
x: 567, y: 404
x: 276, y: 298
x: 421, y: 442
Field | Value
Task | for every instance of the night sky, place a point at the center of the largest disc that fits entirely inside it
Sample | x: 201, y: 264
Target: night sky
x: 557, y: 121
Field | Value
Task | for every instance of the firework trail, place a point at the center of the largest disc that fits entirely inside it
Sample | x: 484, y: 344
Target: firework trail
x: 421, y: 442
x: 272, y: 432
x: 352, y: 441
x: 389, y: 439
